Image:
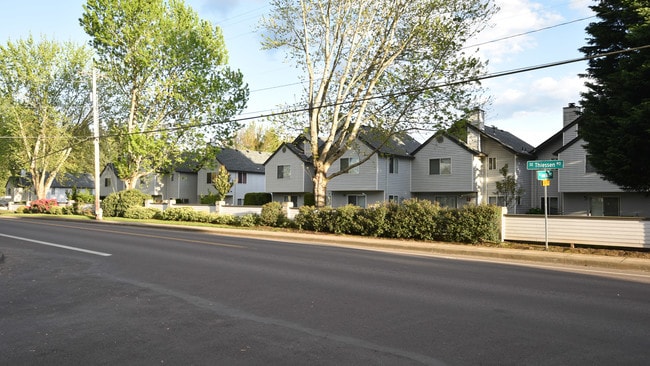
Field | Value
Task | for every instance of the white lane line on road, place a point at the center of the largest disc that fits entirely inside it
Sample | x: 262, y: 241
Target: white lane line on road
x: 57, y: 245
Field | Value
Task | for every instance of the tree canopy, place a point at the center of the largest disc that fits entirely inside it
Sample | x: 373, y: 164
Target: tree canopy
x: 45, y: 111
x: 394, y: 65
x: 165, y: 77
x: 616, y: 108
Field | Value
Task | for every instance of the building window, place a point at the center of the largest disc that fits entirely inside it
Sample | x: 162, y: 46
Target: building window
x: 284, y: 171
x: 447, y: 201
x: 357, y: 200
x: 604, y: 206
x: 497, y: 200
x: 393, y: 198
x: 242, y: 177
x: 392, y: 165
x: 107, y: 182
x: 346, y: 162
x: 588, y: 167
x: 492, y: 163
x: 439, y: 166
x: 210, y: 177
x: 553, y: 206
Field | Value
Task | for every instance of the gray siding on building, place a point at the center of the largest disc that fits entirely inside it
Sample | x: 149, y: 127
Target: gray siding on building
x: 462, y: 174
x: 397, y: 184
x: 630, y: 204
x: 574, y: 178
x: 299, y: 181
x: 365, y: 180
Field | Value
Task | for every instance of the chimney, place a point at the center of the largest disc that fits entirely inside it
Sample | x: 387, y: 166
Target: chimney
x: 570, y: 114
x: 477, y: 118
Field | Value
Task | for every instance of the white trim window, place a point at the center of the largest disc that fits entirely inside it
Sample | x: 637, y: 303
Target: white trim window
x: 284, y: 171
x: 440, y: 166
x: 346, y: 162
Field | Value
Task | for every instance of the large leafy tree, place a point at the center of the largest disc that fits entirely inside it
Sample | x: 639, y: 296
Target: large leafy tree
x: 168, y: 84
x: 44, y: 109
x: 389, y: 64
x: 616, y: 107
x: 257, y: 137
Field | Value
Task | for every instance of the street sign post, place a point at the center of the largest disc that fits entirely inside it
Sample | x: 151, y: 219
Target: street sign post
x: 545, y: 174
x: 544, y: 164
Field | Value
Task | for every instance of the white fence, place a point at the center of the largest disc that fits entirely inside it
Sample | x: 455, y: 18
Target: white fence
x: 223, y: 209
x: 592, y: 230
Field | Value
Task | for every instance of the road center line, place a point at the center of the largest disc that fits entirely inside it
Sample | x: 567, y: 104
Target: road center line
x: 57, y: 245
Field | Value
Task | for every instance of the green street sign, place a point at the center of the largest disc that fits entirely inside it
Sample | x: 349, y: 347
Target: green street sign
x: 544, y: 174
x: 544, y: 164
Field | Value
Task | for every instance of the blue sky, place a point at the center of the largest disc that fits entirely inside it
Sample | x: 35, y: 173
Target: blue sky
x: 528, y: 105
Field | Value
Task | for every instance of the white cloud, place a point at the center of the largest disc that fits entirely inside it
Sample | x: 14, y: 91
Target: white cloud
x: 514, y: 17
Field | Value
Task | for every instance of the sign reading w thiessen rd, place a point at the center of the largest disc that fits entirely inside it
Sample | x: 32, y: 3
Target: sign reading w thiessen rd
x: 544, y: 164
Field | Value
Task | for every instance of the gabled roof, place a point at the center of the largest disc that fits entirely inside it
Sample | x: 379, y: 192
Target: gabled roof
x: 557, y: 135
x: 452, y: 139
x: 296, y: 150
x: 567, y: 145
x: 242, y: 160
x: 506, y: 139
x: 399, y: 144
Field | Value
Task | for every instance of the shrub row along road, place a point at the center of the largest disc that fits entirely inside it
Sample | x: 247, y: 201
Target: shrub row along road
x: 89, y: 293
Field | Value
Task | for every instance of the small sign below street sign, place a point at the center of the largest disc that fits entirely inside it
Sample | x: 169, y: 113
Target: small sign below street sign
x: 544, y: 174
x: 544, y: 164
x: 546, y: 183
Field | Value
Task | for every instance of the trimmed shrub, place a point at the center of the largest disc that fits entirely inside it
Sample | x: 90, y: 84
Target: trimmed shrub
x: 413, y: 219
x: 178, y: 214
x: 116, y: 204
x: 373, y: 220
x: 248, y: 220
x: 222, y: 219
x: 257, y: 198
x: 272, y: 214
x: 345, y: 220
x: 142, y: 213
x: 310, y: 199
x: 313, y: 219
x: 56, y: 210
x: 208, y: 199
x: 42, y: 206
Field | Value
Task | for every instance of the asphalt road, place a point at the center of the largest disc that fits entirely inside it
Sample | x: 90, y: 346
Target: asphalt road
x: 147, y: 296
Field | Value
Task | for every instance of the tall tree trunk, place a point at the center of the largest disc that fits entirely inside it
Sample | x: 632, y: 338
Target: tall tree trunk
x: 320, y: 188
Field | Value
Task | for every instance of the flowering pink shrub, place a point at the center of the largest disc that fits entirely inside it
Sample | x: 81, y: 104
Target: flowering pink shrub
x: 42, y: 206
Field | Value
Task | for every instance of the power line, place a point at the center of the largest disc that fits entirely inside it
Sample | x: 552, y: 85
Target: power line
x: 380, y: 96
x: 529, y: 32
x: 465, y: 47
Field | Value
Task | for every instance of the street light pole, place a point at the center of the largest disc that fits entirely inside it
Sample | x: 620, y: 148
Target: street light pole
x: 98, y: 209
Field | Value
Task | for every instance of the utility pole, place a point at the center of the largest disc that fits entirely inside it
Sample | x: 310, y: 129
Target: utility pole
x: 98, y: 208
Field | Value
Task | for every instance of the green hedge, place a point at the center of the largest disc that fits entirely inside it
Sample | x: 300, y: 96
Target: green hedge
x: 142, y: 213
x: 257, y: 198
x: 412, y: 219
x: 116, y: 204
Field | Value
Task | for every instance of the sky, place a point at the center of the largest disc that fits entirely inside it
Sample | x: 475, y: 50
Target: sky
x: 524, y: 33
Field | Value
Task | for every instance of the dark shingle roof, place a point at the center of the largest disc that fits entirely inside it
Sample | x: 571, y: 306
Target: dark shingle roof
x: 66, y: 180
x: 242, y: 160
x: 508, y: 140
x: 399, y: 144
